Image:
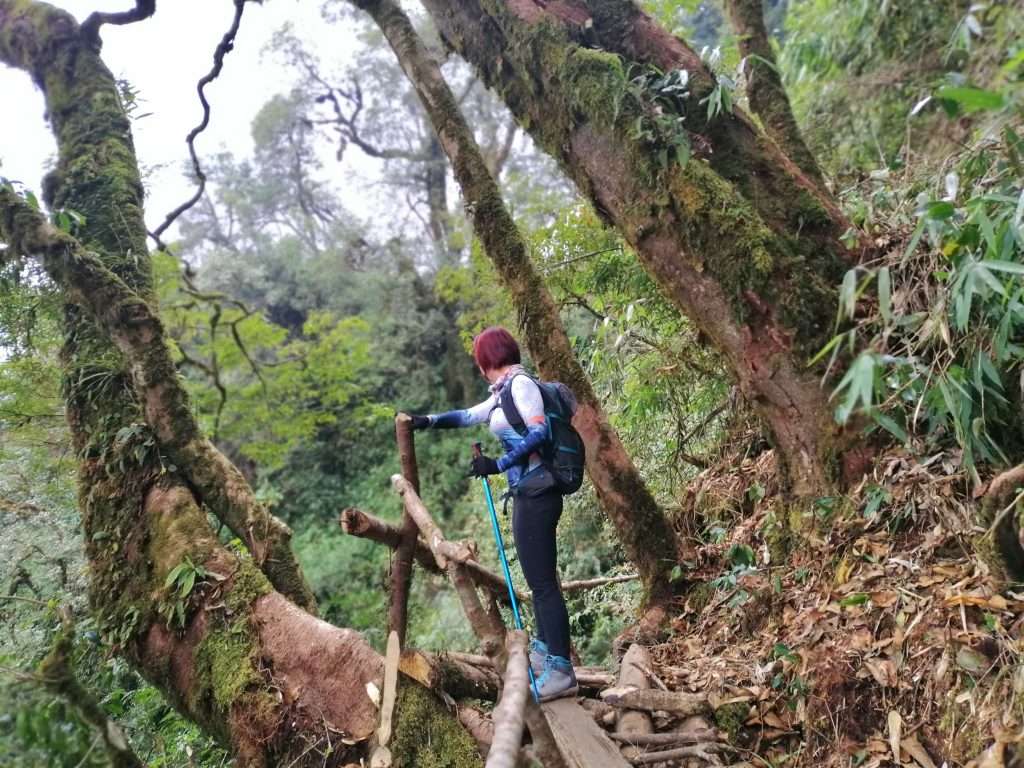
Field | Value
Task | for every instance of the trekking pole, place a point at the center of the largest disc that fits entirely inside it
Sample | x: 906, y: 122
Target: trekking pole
x: 504, y: 566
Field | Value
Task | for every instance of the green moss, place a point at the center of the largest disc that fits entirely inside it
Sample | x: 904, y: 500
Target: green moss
x: 224, y: 664
x: 247, y: 584
x: 731, y: 717
x: 700, y: 595
x: 427, y: 735
x: 597, y: 82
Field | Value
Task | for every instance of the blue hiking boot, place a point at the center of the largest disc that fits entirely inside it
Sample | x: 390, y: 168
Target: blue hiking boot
x: 538, y: 651
x: 557, y: 680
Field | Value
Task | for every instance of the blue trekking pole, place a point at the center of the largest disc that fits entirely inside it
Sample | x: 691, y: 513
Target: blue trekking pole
x: 504, y: 567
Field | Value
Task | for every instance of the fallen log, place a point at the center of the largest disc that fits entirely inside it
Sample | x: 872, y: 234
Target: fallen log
x: 479, y: 726
x: 634, y: 722
x: 358, y: 522
x: 511, y: 709
x: 451, y: 675
x: 675, y: 702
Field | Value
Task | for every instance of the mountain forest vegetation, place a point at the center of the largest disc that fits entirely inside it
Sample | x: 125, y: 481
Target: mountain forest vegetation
x: 776, y: 249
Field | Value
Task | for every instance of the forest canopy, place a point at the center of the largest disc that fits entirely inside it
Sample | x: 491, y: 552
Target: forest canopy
x: 774, y: 247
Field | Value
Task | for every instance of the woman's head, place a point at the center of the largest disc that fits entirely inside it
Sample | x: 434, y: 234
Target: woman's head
x: 494, y: 349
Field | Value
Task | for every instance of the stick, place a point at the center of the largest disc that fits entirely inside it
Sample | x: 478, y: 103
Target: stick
x: 661, y: 739
x: 669, y: 701
x: 401, y: 560
x: 445, y: 552
x: 703, y: 751
x: 577, y: 586
x: 511, y: 709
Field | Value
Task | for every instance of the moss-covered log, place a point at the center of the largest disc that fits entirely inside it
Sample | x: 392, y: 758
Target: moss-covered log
x: 765, y: 91
x: 629, y: 505
x: 738, y: 237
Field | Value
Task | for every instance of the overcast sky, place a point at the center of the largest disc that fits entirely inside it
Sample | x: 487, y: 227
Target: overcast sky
x: 163, y: 57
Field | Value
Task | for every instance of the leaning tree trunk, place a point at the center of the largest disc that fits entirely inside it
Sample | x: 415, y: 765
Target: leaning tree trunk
x: 742, y: 241
x: 765, y: 91
x: 639, y: 522
x: 241, y: 653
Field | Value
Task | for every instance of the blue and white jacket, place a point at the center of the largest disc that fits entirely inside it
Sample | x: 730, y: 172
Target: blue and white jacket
x: 520, y: 450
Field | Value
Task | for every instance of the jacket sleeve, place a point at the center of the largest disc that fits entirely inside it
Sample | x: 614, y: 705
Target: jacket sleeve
x: 466, y: 417
x: 528, y: 401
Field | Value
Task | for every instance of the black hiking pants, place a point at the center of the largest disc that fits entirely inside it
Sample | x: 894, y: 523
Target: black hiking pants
x: 534, y: 521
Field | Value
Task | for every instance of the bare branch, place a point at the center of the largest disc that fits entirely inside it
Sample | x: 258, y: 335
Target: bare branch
x: 224, y: 47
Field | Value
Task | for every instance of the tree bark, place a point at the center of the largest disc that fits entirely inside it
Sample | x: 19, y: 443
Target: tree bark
x: 640, y: 523
x: 260, y: 674
x: 738, y: 237
x: 765, y: 91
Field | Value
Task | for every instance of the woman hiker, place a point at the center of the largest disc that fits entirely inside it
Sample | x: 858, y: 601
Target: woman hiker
x: 535, y: 511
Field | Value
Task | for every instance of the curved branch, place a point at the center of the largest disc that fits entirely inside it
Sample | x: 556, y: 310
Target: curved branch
x: 90, y: 29
x: 227, y: 42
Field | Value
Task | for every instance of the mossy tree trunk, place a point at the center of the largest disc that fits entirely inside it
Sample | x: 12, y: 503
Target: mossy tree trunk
x: 638, y: 520
x: 765, y: 91
x: 738, y: 237
x: 241, y: 654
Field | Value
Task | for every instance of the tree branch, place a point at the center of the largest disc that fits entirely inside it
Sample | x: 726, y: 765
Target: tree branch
x: 90, y: 29
x: 138, y: 333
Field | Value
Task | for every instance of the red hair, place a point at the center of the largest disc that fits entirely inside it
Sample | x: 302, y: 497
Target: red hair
x: 495, y: 348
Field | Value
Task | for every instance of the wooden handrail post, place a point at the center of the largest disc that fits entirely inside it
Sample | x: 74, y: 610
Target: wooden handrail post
x: 401, y: 560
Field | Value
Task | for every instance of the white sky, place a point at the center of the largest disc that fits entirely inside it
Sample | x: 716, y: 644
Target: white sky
x: 162, y: 58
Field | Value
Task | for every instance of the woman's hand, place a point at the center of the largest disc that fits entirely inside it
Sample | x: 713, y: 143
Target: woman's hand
x: 481, y: 466
x: 419, y: 422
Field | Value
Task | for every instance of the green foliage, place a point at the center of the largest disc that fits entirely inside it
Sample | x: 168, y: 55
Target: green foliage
x: 934, y: 326
x: 854, y: 69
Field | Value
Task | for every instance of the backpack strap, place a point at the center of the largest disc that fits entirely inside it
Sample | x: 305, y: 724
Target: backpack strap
x: 508, y: 405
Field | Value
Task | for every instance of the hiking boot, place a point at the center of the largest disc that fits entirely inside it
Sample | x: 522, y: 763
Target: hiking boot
x: 558, y: 679
x: 538, y: 651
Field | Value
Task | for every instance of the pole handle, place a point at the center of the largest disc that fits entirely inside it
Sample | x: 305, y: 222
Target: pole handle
x: 477, y: 449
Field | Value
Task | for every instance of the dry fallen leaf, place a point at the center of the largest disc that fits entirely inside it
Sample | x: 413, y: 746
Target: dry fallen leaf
x: 914, y: 748
x: 895, y: 730
x: 883, y: 670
